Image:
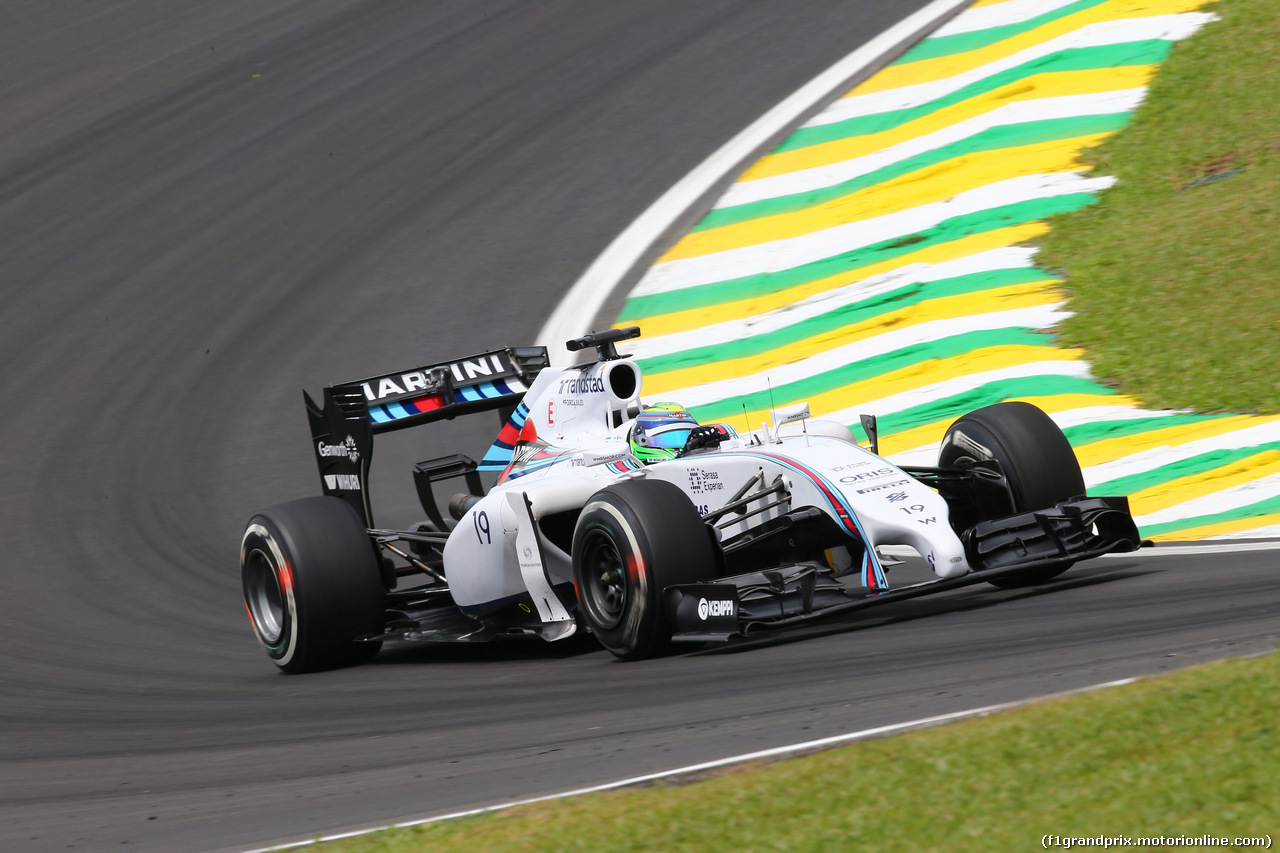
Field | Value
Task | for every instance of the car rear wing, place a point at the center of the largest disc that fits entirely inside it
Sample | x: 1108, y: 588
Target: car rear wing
x: 342, y: 428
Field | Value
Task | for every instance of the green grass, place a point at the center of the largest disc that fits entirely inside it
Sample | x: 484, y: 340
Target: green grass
x: 1176, y: 278
x: 1193, y: 753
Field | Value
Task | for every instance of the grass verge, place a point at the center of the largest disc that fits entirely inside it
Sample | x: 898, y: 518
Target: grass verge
x: 1192, y: 753
x: 1175, y: 273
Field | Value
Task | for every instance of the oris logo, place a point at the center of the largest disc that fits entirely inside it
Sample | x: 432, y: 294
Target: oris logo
x: 551, y: 412
x: 714, y: 608
x: 868, y: 475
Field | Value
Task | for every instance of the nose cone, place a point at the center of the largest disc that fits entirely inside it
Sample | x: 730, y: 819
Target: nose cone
x: 947, y: 559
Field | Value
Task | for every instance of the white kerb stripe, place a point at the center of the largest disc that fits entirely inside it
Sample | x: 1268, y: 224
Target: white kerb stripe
x: 1155, y: 457
x: 948, y: 387
x: 1164, y: 27
x: 1066, y: 418
x: 1018, y: 112
x: 999, y: 15
x: 1013, y: 257
x: 958, y: 385
x: 1104, y: 414
x: 1225, y: 500
x: 1033, y: 317
x: 778, y: 255
x: 1268, y: 532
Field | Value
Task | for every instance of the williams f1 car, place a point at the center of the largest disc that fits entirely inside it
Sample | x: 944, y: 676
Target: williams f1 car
x: 638, y: 524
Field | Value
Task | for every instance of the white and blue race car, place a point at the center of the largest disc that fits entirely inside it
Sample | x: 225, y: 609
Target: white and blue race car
x: 638, y: 524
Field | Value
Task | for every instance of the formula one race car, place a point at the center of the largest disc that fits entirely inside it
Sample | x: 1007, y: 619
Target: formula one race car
x: 638, y: 524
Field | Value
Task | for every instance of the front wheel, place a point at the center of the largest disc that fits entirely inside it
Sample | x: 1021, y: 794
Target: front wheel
x: 632, y: 540
x: 1036, y: 459
x: 311, y: 584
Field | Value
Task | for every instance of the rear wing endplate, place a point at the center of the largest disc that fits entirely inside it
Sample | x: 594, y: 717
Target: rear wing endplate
x: 342, y: 428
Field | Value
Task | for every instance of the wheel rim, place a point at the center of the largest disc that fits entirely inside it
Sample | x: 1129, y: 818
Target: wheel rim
x: 265, y: 597
x: 606, y: 579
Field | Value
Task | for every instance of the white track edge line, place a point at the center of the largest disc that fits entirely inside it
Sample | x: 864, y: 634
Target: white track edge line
x: 807, y: 746
x: 1164, y: 549
x: 1161, y: 549
x: 776, y: 752
x: 585, y: 298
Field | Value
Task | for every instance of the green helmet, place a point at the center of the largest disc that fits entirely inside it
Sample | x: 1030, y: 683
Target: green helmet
x: 660, y: 432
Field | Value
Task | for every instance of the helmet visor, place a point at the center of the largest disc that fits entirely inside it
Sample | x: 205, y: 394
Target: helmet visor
x: 669, y: 438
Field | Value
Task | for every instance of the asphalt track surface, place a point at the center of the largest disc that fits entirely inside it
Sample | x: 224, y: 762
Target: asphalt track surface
x: 205, y: 208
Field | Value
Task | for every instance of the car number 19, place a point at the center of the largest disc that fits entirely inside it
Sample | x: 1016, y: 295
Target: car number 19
x: 481, y: 521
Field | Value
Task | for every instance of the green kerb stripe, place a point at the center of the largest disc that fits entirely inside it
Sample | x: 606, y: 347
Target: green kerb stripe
x: 717, y: 293
x: 1083, y: 434
x: 899, y: 359
x: 1146, y: 52
x: 1269, y: 506
x: 935, y: 410
x: 1182, y: 468
x: 991, y: 139
x: 965, y: 42
x: 846, y: 315
x: 985, y: 395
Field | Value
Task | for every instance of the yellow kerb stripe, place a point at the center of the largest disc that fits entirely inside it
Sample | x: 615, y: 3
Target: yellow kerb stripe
x: 1240, y: 525
x: 1194, y: 486
x: 932, y: 433
x: 1117, y: 448
x: 1050, y: 85
x: 1066, y: 402
x: 942, y: 67
x: 922, y: 374
x: 929, y: 185
x: 961, y: 305
x: 896, y: 442
x: 696, y: 318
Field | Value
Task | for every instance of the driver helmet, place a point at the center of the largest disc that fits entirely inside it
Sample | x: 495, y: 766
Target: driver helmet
x: 660, y: 432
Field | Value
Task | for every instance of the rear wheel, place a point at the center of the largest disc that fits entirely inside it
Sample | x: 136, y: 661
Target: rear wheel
x: 311, y: 584
x: 1036, y: 459
x: 631, y: 541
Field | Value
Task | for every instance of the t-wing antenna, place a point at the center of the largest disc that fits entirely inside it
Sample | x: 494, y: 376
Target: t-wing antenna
x: 604, y: 341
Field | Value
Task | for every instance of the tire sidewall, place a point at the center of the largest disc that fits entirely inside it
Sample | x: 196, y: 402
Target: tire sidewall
x: 1037, y: 461
x: 1036, y: 458
x: 606, y: 516
x: 330, y: 584
x: 263, y: 538
x: 661, y: 540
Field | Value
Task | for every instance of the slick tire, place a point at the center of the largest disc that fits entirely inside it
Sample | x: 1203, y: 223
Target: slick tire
x: 631, y: 541
x: 312, y: 584
x: 1036, y: 458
